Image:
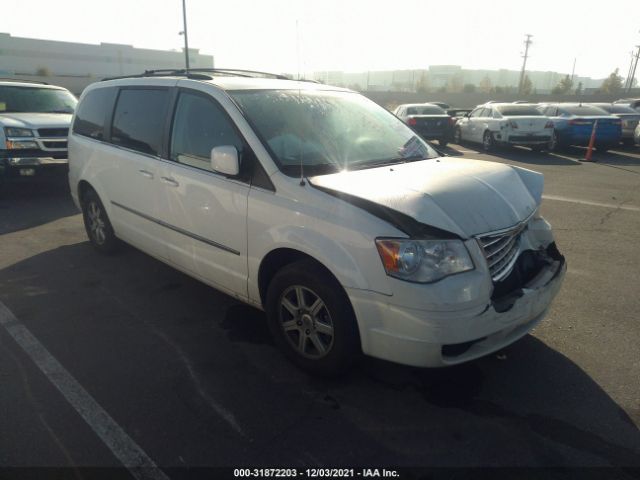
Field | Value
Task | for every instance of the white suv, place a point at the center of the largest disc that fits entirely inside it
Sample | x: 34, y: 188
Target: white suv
x: 34, y: 124
x: 320, y: 207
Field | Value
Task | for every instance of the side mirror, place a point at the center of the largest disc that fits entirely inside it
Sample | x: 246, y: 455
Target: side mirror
x: 225, y: 160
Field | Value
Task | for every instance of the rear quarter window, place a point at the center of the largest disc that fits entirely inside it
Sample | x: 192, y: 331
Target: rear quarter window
x: 92, y: 112
x: 139, y: 118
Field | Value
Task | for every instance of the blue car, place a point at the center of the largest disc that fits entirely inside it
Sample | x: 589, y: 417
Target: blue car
x: 573, y: 124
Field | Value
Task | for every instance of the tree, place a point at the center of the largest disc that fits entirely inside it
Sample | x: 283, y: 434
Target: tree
x: 469, y: 88
x: 43, y: 72
x: 563, y: 86
x: 454, y: 84
x: 612, y: 84
x: 485, y: 85
x: 579, y: 89
x: 527, y: 86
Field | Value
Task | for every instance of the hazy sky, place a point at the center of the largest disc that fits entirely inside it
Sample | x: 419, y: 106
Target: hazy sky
x: 353, y: 35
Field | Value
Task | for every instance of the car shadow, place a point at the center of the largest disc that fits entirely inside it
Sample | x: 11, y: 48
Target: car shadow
x: 29, y: 204
x: 128, y: 315
x: 526, y: 155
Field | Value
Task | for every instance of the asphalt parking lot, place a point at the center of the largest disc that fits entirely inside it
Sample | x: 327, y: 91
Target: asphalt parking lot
x: 192, y: 378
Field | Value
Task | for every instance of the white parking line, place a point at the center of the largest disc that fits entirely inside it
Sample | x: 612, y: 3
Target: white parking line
x: 594, y: 204
x: 114, y: 437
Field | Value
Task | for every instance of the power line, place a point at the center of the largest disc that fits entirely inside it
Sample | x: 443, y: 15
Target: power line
x: 527, y: 42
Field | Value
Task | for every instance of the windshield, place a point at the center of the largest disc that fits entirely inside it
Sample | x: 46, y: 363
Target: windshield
x: 328, y: 131
x: 518, y: 110
x: 36, y: 100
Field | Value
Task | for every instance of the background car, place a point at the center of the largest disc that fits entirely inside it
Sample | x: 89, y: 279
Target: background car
x: 628, y: 115
x: 636, y: 135
x: 630, y: 102
x: 34, y: 124
x: 505, y: 124
x: 573, y: 123
x: 430, y: 121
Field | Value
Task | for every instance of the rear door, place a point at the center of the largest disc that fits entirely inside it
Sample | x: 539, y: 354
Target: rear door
x: 206, y: 211
x: 135, y: 131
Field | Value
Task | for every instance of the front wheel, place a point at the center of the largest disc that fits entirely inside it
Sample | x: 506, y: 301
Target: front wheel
x: 97, y: 224
x: 553, y: 145
x: 487, y: 141
x: 311, y: 319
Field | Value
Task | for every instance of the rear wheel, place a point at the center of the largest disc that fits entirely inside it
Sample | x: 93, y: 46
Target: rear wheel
x: 457, y: 136
x: 311, y: 319
x: 97, y: 224
x: 487, y: 141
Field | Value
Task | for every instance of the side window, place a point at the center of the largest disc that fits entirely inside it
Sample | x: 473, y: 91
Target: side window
x: 92, y: 112
x: 487, y: 112
x: 139, y: 119
x: 199, y: 125
x: 476, y: 112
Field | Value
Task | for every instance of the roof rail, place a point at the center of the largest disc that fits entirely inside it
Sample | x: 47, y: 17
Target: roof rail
x: 201, y: 73
x: 13, y: 79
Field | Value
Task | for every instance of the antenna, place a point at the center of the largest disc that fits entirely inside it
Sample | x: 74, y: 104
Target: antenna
x: 302, y: 182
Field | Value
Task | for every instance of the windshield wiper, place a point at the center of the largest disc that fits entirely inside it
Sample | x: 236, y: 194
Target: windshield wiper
x: 392, y: 161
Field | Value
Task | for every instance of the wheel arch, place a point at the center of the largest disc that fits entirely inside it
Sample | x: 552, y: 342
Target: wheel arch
x: 277, y: 259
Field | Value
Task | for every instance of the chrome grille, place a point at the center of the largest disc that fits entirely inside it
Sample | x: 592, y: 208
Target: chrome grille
x: 501, y: 250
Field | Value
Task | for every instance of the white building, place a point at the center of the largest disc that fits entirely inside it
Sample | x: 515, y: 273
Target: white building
x: 61, y: 62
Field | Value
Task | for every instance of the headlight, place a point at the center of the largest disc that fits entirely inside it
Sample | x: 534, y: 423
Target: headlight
x: 423, y: 261
x: 17, y: 132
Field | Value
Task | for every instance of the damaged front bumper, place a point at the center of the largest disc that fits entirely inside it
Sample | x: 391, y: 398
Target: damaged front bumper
x: 434, y: 339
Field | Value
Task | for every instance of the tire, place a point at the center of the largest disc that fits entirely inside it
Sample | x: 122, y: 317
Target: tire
x: 442, y: 142
x: 320, y: 338
x: 553, y: 145
x: 537, y: 148
x: 97, y: 223
x: 457, y: 136
x: 488, y: 144
x: 603, y: 148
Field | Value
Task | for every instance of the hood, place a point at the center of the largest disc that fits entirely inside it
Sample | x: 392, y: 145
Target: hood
x: 36, y: 120
x: 464, y: 197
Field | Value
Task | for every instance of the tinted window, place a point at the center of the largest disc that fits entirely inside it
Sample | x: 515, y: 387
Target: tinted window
x: 139, y: 119
x: 427, y: 110
x: 198, y: 126
x: 518, y: 110
x: 584, y: 110
x: 92, y: 113
x: 617, y: 108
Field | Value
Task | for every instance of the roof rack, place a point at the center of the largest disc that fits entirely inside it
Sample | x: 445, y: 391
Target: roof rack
x: 21, y: 80
x: 201, y: 73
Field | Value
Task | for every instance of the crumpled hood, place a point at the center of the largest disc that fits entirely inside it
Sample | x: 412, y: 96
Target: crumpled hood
x: 36, y: 120
x: 465, y: 197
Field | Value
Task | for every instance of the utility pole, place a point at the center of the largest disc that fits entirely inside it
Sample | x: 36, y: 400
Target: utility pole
x: 573, y: 70
x: 527, y: 42
x: 628, y: 77
x: 184, y: 32
x: 633, y: 72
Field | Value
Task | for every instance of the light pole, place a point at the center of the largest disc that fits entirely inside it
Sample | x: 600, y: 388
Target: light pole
x: 527, y: 42
x: 184, y: 32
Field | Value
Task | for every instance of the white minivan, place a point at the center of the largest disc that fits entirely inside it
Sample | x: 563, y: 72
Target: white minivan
x: 320, y: 207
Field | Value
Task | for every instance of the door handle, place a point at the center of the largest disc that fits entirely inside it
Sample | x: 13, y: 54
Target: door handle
x: 170, y: 181
x: 146, y: 173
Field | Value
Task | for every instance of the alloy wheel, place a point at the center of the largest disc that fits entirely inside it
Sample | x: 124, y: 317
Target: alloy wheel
x: 96, y: 223
x: 306, y: 322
